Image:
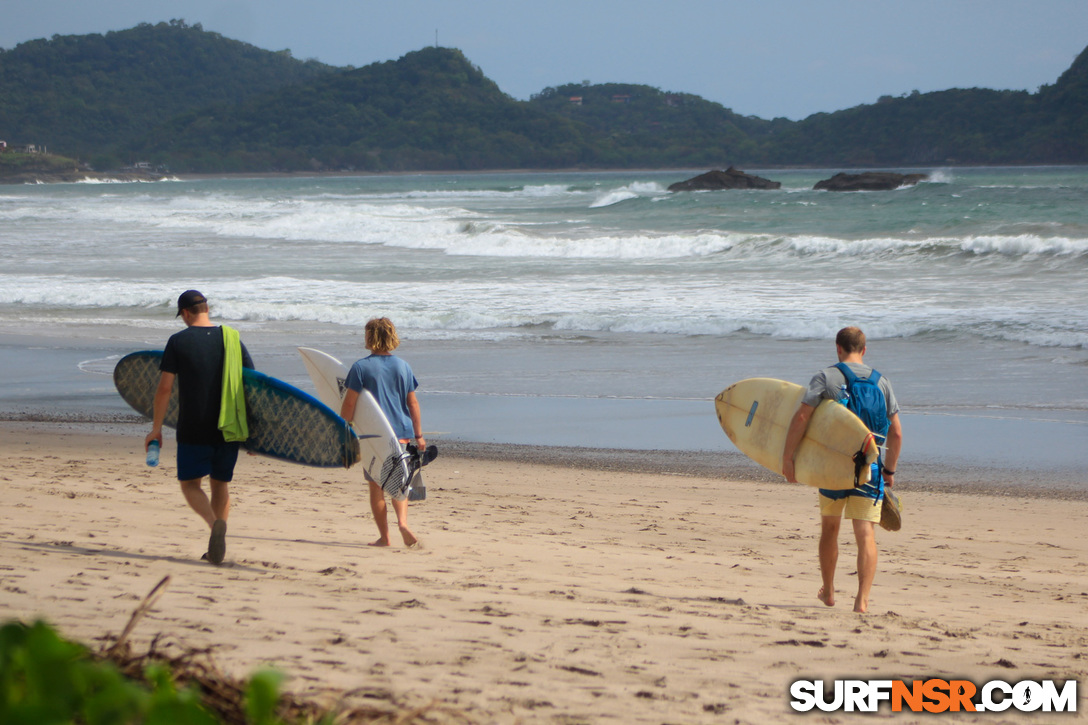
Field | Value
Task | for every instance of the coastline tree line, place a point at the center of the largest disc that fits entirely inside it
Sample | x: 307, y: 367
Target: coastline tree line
x: 191, y: 100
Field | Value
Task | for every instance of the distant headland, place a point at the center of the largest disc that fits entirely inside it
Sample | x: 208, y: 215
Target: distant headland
x: 213, y: 105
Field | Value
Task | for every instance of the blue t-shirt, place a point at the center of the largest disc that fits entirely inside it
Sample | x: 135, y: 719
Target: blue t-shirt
x: 389, y: 379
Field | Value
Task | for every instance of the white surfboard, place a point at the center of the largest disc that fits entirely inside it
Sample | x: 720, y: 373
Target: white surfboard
x: 756, y: 415
x: 381, y: 454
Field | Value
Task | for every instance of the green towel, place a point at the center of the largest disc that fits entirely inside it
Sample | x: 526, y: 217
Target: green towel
x: 232, y: 407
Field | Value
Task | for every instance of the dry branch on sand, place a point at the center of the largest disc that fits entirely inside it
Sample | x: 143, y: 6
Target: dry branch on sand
x: 224, y: 696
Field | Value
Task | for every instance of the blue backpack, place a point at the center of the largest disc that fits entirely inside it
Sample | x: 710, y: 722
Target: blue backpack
x: 866, y: 400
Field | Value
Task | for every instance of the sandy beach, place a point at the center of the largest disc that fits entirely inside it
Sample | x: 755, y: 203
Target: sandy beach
x: 543, y: 592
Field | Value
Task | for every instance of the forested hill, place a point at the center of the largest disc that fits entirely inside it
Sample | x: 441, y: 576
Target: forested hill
x: 84, y: 94
x: 639, y: 125
x: 1065, y: 105
x: 959, y: 126
x: 192, y: 100
x: 431, y: 109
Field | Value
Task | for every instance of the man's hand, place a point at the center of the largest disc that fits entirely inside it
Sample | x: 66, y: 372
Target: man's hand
x: 794, y: 435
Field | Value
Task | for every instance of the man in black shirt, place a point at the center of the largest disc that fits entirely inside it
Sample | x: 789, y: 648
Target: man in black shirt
x: 194, y: 358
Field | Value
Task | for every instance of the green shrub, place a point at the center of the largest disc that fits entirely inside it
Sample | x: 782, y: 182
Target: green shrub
x: 45, y: 679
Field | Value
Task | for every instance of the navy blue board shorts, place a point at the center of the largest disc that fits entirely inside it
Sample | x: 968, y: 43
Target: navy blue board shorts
x: 198, y: 461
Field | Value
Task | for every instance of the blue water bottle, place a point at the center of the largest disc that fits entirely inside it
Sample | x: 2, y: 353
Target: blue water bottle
x: 153, y: 453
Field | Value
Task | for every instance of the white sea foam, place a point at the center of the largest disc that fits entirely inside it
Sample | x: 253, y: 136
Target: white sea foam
x: 940, y: 176
x: 539, y: 191
x: 619, y: 304
x: 106, y: 180
x: 514, y: 243
x: 493, y: 259
x: 613, y: 197
x: 625, y: 193
x: 1010, y: 245
x: 1025, y: 244
x: 471, y: 229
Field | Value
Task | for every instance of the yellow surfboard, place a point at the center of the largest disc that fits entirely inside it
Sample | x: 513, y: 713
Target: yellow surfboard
x: 756, y: 414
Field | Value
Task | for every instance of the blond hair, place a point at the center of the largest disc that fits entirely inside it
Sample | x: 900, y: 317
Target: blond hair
x: 381, y: 335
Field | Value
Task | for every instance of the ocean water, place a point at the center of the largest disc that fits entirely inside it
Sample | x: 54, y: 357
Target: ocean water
x: 592, y: 309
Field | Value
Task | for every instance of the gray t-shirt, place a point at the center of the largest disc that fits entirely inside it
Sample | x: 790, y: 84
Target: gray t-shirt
x: 830, y: 384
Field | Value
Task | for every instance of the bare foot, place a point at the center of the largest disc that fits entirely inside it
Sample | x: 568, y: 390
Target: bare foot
x: 379, y: 542
x: 827, y: 598
x: 410, y: 539
x: 861, y: 606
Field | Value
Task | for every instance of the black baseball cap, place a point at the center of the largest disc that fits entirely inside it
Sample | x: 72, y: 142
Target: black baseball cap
x: 189, y: 298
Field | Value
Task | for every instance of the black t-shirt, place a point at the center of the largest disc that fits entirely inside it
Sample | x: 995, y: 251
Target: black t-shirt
x: 195, y: 355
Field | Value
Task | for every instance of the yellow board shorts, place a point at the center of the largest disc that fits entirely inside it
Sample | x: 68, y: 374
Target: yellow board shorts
x: 853, y: 507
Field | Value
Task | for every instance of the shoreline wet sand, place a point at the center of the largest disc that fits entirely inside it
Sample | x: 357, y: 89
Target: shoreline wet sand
x: 553, y: 586
x: 934, y: 476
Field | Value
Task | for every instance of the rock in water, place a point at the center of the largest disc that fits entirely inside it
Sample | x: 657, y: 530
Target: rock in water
x: 869, y: 181
x: 731, y: 178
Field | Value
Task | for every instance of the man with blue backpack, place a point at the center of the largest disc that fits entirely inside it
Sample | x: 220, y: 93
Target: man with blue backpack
x: 869, y: 395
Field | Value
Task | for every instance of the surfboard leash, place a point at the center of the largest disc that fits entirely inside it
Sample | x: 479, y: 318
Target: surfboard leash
x: 859, y: 459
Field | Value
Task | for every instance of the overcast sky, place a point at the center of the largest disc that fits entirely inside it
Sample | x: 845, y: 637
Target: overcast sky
x: 763, y: 58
